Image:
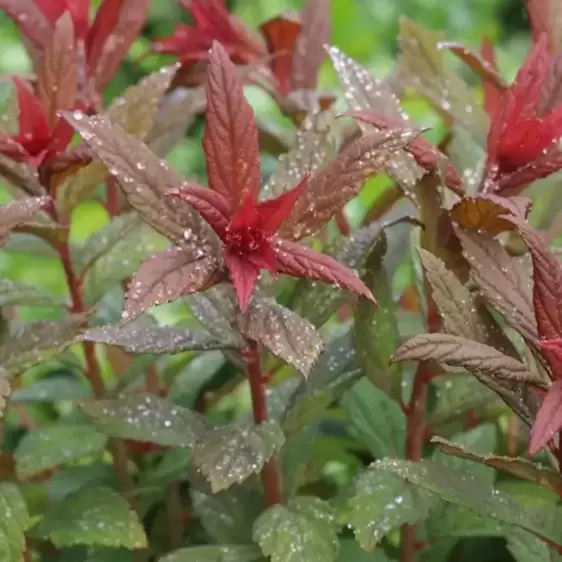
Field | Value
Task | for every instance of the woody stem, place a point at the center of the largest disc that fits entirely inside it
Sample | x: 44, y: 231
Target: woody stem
x: 269, y: 474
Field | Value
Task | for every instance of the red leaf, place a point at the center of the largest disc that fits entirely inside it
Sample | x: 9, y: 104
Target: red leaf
x: 52, y: 9
x: 58, y: 73
x: 230, y: 141
x: 480, y: 64
x: 552, y: 350
x: 547, y: 288
x: 544, y: 17
x: 32, y: 22
x: 341, y: 179
x: 244, y: 276
x: 131, y: 21
x: 32, y: 120
x: 300, y: 261
x: 548, y: 420
x: 551, y: 95
x: 310, y: 50
x: 281, y: 34
x: 166, y: 276
x: 106, y: 19
x: 492, y: 94
x: 424, y: 153
x: 17, y: 212
x: 212, y: 206
x: 273, y: 212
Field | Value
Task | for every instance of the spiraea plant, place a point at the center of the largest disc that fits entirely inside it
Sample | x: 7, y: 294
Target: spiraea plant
x: 231, y: 364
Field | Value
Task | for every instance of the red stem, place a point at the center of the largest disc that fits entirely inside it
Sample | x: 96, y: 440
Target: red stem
x: 93, y: 371
x: 269, y: 474
x: 342, y: 222
x: 112, y: 194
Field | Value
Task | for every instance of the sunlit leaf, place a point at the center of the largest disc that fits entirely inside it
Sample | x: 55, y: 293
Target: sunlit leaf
x: 49, y: 447
x: 92, y: 516
x: 230, y: 454
x: 304, y: 530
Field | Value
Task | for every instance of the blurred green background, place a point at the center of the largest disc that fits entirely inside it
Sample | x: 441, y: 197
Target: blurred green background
x: 365, y: 29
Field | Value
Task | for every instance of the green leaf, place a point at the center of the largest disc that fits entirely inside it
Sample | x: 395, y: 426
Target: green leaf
x: 525, y: 547
x: 376, y: 331
x: 350, y: 551
x: 318, y: 301
x: 36, y: 343
x: 137, y: 338
x: 463, y: 488
x: 377, y: 420
x: 231, y: 453
x: 331, y: 377
x: 52, y: 390
x: 145, y: 417
x: 70, y: 479
x: 104, y: 240
x: 93, y: 516
x: 13, y: 293
x: 47, y: 448
x: 303, y: 531
x: 383, y: 502
x: 14, y: 521
x: 121, y: 260
x: 215, y: 553
x: 228, y: 516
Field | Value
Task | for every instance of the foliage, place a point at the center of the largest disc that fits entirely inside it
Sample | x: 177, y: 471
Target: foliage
x: 330, y: 330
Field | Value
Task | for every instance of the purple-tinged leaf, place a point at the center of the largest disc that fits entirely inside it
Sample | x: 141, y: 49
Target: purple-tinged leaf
x: 57, y: 79
x: 310, y: 52
x: 301, y: 261
x: 545, y: 17
x: 134, y: 338
x: 473, y: 356
x: 501, y: 280
x: 363, y: 92
x: 549, y: 419
x: 146, y: 181
x: 18, y: 212
x: 166, y: 276
x: 520, y: 467
x: 131, y: 20
x: 281, y: 331
x: 33, y: 24
x: 313, y: 146
x: 230, y: 141
x: 230, y: 454
x: 341, y: 179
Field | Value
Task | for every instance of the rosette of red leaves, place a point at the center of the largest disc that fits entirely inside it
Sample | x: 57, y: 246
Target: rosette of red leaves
x: 211, y: 22
x: 37, y: 138
x: 99, y: 46
x: 294, y: 47
x: 526, y: 123
x: 252, y: 231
